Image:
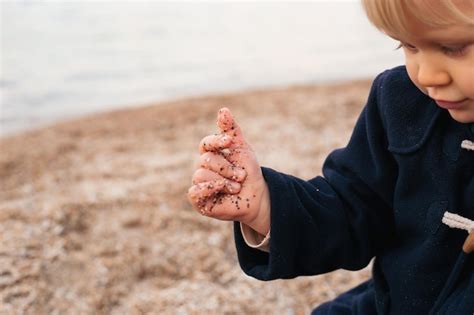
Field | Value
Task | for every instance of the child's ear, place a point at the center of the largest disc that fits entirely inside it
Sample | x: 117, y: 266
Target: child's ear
x: 468, y: 246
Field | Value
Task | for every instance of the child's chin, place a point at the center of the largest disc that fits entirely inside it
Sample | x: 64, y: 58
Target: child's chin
x: 464, y: 117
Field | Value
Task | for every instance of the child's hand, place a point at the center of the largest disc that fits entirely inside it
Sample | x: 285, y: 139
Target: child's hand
x: 229, y: 184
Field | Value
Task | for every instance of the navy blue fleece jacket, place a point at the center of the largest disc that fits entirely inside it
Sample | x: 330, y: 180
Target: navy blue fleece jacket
x: 382, y: 196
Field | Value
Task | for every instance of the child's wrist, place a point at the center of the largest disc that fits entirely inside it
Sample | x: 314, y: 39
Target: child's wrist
x: 261, y: 222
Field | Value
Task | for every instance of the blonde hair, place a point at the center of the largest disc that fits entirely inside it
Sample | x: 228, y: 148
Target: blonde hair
x: 391, y: 16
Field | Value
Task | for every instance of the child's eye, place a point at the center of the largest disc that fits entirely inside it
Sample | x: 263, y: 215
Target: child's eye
x: 407, y: 46
x: 454, y: 50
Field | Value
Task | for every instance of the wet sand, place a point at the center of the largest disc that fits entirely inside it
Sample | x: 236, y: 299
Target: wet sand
x: 94, y: 217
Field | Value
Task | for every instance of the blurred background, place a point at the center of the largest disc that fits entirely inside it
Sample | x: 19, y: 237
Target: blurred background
x: 103, y: 105
x: 61, y: 59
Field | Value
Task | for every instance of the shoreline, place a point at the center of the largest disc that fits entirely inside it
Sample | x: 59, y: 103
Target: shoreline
x: 95, y: 219
x: 16, y: 131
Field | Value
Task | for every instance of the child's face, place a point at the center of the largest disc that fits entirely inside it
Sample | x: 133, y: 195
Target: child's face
x: 440, y: 62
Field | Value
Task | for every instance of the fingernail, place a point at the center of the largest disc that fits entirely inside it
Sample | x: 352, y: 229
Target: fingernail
x: 224, y: 140
x: 239, y: 174
x: 233, y: 186
x: 226, y: 151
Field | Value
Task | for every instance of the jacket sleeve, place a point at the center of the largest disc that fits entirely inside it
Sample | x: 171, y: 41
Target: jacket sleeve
x: 339, y: 220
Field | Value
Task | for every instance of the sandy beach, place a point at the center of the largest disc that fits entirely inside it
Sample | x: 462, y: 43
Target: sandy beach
x: 94, y: 217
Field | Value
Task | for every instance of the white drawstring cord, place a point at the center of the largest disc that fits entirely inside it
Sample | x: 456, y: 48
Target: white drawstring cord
x: 456, y: 221
x: 468, y: 145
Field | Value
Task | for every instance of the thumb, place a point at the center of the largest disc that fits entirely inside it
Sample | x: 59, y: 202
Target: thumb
x: 227, y: 125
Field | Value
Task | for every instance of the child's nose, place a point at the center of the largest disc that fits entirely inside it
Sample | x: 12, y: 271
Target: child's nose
x: 432, y: 74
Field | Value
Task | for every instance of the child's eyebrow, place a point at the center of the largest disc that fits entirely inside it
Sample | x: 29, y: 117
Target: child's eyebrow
x: 451, y: 38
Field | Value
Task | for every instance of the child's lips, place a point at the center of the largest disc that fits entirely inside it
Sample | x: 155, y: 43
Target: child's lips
x: 450, y: 105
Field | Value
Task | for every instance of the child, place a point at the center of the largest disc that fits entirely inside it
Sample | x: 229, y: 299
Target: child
x: 402, y: 190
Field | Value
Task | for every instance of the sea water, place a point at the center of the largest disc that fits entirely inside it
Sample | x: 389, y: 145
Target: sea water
x: 65, y: 59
